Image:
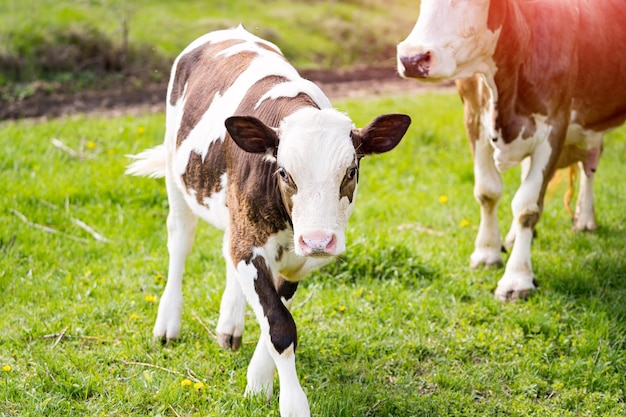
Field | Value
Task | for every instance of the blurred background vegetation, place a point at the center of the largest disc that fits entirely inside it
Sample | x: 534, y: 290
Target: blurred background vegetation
x: 78, y: 44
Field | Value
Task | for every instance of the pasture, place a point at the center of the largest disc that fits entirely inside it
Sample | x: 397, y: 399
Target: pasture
x: 399, y: 326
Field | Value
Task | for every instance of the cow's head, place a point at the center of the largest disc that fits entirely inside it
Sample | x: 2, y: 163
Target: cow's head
x: 317, y: 153
x: 450, y: 40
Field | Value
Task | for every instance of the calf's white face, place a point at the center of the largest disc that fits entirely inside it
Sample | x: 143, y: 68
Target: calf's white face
x: 317, y: 157
x: 318, y: 167
x: 450, y: 40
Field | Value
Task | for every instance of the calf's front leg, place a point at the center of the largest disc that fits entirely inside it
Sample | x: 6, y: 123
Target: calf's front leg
x: 277, y: 344
x: 262, y: 367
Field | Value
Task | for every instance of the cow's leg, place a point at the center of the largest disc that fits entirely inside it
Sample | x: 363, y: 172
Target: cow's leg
x: 518, y: 280
x: 262, y: 367
x: 487, y: 191
x: 510, y: 236
x: 278, y: 335
x: 181, y: 227
x: 584, y: 216
x: 232, y: 308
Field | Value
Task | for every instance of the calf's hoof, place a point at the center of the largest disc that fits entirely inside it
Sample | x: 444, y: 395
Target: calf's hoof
x: 228, y: 341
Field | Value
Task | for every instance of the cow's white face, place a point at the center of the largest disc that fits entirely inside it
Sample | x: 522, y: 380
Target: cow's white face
x: 450, y: 40
x: 317, y: 156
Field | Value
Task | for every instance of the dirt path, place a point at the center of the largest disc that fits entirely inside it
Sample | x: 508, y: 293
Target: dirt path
x: 118, y: 101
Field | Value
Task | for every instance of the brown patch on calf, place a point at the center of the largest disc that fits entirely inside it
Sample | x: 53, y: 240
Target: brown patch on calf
x: 254, y: 201
x: 271, y: 111
x: 269, y: 48
x: 205, y: 75
x: 204, y: 177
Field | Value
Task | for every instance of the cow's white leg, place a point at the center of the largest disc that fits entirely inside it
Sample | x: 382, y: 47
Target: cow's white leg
x: 278, y: 336
x: 487, y: 191
x: 232, y: 308
x: 510, y: 236
x: 518, y: 280
x: 181, y: 226
x: 584, y: 216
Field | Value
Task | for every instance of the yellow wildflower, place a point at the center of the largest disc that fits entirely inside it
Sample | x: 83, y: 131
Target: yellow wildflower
x: 198, y: 385
x: 91, y: 145
x: 342, y: 308
x: 464, y: 223
x: 443, y: 198
x: 133, y: 316
x: 150, y: 298
x: 185, y: 383
x: 6, y: 368
x: 141, y: 130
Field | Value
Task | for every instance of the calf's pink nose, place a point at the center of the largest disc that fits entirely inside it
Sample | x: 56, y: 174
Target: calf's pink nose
x: 318, y: 243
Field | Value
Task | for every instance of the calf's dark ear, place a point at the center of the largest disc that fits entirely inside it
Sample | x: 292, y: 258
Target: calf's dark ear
x: 251, y: 134
x: 381, y: 135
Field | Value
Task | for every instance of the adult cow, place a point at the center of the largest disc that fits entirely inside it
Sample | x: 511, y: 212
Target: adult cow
x: 542, y: 81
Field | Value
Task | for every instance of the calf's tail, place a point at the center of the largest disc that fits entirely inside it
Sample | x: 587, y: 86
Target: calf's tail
x: 149, y: 163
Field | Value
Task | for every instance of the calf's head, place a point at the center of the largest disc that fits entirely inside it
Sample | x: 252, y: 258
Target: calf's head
x: 317, y: 154
x: 451, y: 39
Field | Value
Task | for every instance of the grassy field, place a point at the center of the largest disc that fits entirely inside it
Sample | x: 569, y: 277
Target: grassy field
x: 399, y: 326
x: 69, y: 39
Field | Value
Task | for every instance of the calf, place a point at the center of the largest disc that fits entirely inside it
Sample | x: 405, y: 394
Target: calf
x: 256, y: 150
x: 542, y: 82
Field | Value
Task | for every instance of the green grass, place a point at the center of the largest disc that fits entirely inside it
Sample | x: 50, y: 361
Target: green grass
x: 399, y: 326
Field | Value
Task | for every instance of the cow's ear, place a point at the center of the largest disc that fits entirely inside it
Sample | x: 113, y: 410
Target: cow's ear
x: 252, y: 135
x: 381, y: 135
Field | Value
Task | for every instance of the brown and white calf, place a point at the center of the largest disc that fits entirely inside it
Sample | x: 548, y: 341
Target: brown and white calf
x: 258, y: 151
x: 542, y: 82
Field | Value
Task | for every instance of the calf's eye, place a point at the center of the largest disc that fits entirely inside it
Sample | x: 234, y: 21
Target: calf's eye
x: 352, y: 173
x: 283, y: 174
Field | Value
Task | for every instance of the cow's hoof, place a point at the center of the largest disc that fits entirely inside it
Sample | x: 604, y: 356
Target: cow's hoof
x: 488, y: 258
x: 228, y: 341
x: 580, y: 225
x: 513, y: 287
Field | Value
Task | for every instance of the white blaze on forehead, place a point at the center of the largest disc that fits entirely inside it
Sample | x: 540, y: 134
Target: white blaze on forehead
x: 456, y: 36
x: 315, y: 145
